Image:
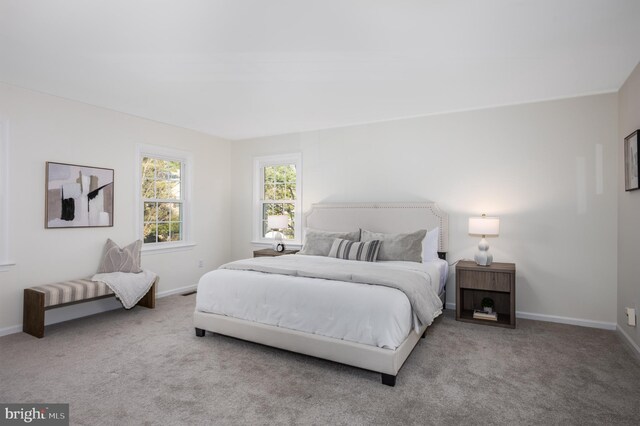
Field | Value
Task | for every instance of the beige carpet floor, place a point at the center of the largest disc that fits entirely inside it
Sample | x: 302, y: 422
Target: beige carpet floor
x: 147, y: 367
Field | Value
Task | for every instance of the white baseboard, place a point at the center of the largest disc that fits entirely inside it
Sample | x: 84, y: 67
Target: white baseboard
x: 80, y: 310
x: 10, y: 330
x: 567, y: 320
x: 629, y: 340
x: 558, y: 319
x: 185, y: 289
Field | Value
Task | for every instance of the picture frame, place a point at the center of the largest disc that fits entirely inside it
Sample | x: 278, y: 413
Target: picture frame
x: 631, y: 166
x: 78, y: 196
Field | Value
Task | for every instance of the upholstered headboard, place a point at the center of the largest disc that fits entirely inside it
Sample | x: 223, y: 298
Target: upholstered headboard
x: 380, y: 217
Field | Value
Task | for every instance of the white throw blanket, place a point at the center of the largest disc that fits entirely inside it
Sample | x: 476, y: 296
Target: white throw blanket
x: 129, y: 288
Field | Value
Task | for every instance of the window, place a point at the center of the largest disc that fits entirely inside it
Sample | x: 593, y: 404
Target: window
x: 277, y: 191
x: 163, y: 197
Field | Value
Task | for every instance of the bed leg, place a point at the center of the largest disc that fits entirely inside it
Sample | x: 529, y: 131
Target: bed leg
x: 199, y: 332
x: 388, y: 379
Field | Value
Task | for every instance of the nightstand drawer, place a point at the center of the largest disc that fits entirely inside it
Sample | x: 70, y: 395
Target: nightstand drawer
x: 493, y: 281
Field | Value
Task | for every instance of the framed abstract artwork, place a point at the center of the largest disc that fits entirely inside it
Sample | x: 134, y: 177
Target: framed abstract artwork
x: 78, y: 196
x: 631, y: 170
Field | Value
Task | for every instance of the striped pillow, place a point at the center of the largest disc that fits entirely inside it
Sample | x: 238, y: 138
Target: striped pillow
x: 352, y: 250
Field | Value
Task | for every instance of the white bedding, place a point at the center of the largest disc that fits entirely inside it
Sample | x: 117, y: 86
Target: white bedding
x: 369, y: 314
x: 442, y: 265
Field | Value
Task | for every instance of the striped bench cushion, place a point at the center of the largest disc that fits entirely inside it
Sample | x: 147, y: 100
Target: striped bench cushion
x: 72, y: 291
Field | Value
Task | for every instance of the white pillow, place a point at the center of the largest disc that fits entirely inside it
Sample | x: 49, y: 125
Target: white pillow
x: 430, y: 245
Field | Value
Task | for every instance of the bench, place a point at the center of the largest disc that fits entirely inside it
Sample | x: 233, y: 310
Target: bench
x: 39, y: 299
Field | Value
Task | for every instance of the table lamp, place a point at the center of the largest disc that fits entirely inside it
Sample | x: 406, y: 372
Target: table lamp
x: 276, y: 223
x: 485, y: 226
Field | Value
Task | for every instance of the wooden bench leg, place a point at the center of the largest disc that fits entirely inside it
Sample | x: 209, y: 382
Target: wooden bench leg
x: 33, y: 313
x: 149, y: 299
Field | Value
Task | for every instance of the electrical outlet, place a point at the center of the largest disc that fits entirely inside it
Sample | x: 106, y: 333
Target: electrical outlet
x: 200, y: 263
x: 631, y: 316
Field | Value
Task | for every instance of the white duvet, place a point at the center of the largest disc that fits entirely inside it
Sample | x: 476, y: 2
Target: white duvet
x: 368, y: 314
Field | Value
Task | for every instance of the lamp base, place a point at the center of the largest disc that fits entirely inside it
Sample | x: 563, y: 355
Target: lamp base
x: 277, y: 240
x: 482, y: 256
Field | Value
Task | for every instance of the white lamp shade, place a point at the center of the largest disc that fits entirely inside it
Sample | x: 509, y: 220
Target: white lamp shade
x: 278, y: 221
x: 484, y: 225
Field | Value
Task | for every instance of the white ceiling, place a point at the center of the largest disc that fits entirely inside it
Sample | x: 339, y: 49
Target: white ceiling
x: 241, y: 69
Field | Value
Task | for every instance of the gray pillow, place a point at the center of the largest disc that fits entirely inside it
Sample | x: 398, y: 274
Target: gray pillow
x: 318, y: 243
x: 397, y: 246
x: 118, y: 259
x: 353, y: 250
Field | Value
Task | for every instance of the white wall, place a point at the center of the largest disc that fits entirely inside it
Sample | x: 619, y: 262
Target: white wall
x: 533, y: 165
x: 628, y: 212
x: 47, y: 128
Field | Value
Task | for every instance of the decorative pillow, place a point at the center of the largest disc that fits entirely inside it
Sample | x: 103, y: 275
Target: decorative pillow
x: 430, y: 245
x: 118, y: 259
x: 318, y: 243
x: 397, y: 246
x: 352, y: 250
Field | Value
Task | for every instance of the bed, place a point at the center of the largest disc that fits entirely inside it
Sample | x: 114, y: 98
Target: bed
x: 337, y: 317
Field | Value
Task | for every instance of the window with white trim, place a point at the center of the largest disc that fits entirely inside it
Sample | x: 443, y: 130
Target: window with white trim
x: 277, y: 191
x: 163, y: 200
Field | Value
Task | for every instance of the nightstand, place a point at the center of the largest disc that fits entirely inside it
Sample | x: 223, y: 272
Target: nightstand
x: 475, y: 282
x: 272, y: 253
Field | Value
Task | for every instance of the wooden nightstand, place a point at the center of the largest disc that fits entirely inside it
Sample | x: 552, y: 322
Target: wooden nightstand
x: 474, y: 282
x: 272, y: 253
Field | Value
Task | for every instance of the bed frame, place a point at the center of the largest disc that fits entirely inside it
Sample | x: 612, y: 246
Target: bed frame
x: 379, y: 217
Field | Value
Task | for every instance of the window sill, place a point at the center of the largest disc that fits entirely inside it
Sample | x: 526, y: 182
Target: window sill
x: 158, y: 248
x: 5, y: 266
